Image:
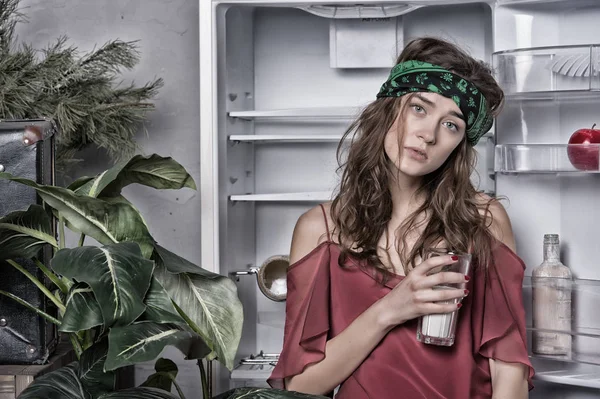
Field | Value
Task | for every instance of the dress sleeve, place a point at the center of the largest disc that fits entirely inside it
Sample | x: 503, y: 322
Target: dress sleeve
x: 502, y: 322
x: 306, y: 316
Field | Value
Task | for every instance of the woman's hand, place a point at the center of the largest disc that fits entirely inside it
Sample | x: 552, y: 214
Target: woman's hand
x: 414, y: 295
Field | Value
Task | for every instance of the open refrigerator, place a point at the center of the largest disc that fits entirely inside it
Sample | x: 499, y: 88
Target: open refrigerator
x: 282, y: 80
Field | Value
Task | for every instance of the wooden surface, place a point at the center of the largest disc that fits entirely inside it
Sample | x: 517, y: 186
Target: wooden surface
x: 14, y: 378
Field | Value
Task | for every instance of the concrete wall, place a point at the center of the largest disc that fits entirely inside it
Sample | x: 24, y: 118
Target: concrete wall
x: 168, y: 34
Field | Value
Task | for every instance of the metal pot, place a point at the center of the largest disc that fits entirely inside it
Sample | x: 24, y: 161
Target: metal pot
x: 271, y: 277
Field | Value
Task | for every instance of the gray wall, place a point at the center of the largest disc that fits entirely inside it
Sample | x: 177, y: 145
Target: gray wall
x: 168, y: 34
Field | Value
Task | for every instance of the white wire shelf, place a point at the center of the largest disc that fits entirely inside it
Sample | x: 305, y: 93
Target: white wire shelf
x: 343, y: 113
x: 296, y: 138
x: 280, y: 138
x: 309, y: 196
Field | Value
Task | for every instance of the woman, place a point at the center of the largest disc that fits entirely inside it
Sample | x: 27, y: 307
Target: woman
x: 358, y: 280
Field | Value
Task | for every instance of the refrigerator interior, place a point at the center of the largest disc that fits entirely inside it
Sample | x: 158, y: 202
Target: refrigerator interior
x: 288, y: 84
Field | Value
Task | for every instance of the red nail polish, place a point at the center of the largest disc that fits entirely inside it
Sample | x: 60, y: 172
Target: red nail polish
x: 454, y: 257
x: 467, y: 278
x: 466, y: 292
x: 459, y: 305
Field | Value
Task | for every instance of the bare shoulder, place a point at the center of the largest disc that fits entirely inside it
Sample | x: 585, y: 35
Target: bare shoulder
x: 498, y: 220
x: 310, y: 231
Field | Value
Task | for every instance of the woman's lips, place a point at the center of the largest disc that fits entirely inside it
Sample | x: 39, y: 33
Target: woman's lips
x: 416, y: 153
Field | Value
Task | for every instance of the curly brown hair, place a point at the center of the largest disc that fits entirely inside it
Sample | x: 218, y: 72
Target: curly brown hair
x: 452, y: 212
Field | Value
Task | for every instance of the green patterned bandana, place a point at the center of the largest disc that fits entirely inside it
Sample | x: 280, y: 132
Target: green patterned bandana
x: 413, y: 76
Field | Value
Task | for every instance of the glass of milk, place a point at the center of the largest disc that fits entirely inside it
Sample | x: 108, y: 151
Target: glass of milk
x: 439, y: 329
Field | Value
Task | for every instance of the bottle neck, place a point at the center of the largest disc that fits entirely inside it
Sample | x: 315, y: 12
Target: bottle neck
x: 551, y: 253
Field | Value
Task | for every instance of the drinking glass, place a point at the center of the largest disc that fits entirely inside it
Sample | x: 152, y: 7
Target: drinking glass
x: 440, y: 329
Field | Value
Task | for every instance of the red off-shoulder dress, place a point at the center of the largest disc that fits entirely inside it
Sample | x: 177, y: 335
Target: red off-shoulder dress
x: 324, y: 298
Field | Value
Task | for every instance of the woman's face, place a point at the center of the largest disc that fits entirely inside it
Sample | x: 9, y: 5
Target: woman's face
x: 433, y: 127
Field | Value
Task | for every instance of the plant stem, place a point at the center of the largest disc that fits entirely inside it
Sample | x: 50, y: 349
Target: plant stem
x: 179, y: 391
x: 31, y: 307
x: 61, y: 232
x: 76, y: 345
x: 81, y: 240
x: 41, y: 286
x: 196, y: 329
x: 192, y: 325
x: 203, y: 379
x: 59, y: 283
x: 88, y: 338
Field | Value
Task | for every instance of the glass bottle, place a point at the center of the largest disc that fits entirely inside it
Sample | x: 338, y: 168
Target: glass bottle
x: 552, y: 284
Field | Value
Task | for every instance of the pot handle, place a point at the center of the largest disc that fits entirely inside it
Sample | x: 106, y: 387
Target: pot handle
x: 239, y: 273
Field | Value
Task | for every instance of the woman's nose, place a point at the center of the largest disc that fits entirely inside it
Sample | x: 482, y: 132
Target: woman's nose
x: 427, y: 134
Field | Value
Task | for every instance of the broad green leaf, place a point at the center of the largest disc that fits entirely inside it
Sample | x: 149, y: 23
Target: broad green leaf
x: 166, y: 372
x: 176, y: 264
x: 79, y: 182
x: 211, y: 307
x: 91, y: 370
x: 265, y: 393
x: 118, y: 275
x: 106, y: 222
x: 120, y: 199
x: 83, y: 311
x: 59, y: 384
x: 159, y: 307
x: 153, y: 171
x: 94, y: 186
x: 140, y: 393
x: 23, y: 233
x: 141, y: 342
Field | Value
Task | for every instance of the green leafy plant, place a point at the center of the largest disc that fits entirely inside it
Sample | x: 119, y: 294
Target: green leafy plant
x: 80, y: 92
x: 123, y: 301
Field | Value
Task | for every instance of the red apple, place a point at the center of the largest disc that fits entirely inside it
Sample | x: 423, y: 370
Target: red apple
x: 585, y: 156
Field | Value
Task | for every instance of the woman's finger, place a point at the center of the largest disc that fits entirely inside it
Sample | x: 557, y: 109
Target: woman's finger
x: 440, y: 295
x: 434, y: 262
x: 454, y: 279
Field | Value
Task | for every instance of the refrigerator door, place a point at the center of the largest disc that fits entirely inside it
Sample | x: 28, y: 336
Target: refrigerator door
x: 281, y: 81
x: 547, y: 60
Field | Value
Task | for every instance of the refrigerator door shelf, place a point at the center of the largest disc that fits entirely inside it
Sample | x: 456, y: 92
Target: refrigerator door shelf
x: 567, y: 374
x: 570, y: 68
x: 577, y: 95
x: 574, y: 358
x: 547, y: 158
x: 584, y: 331
x: 533, y: 2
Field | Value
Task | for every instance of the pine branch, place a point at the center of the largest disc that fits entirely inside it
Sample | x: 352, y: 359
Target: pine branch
x: 111, y: 57
x: 132, y: 93
x: 9, y: 17
x: 81, y: 93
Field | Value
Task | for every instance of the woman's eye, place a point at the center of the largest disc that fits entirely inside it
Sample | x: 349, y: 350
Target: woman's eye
x: 451, y: 126
x: 418, y: 108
